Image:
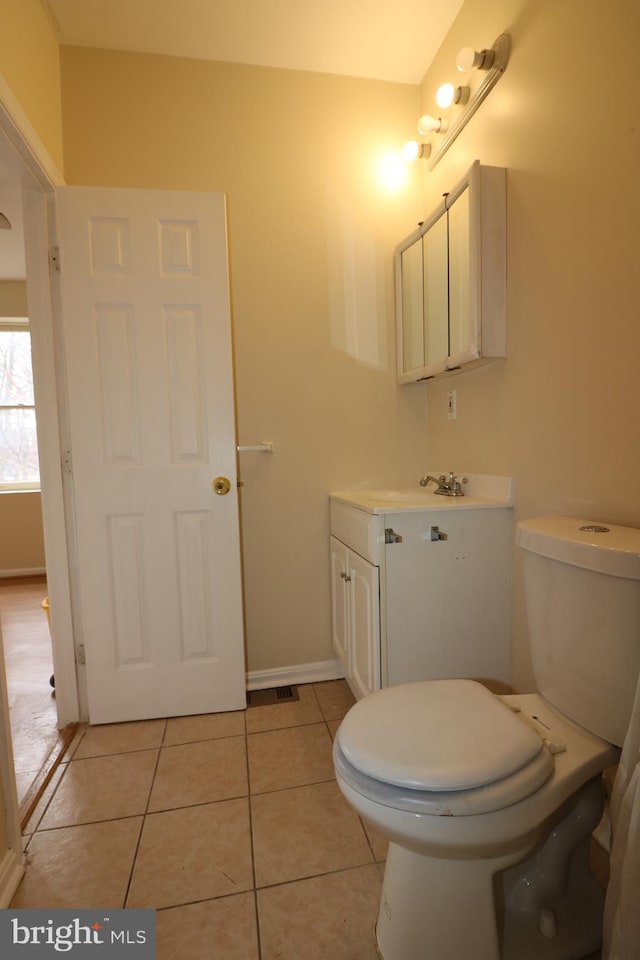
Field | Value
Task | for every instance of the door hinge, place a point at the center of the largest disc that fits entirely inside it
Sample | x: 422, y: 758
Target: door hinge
x: 80, y: 657
x: 54, y: 259
x: 67, y: 462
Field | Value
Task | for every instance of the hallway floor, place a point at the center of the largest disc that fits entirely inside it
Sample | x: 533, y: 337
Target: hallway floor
x: 231, y: 825
x: 27, y: 652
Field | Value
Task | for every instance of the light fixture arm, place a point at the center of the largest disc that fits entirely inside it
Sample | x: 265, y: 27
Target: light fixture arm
x: 500, y: 51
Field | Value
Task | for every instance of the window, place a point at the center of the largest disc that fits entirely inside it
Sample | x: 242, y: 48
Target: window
x: 19, y: 469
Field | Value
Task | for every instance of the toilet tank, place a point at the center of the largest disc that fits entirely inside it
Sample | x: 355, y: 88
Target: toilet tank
x: 582, y: 591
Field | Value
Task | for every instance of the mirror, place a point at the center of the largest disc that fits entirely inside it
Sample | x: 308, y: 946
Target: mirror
x: 422, y: 305
x: 435, y: 294
x: 413, y: 356
x: 459, y: 276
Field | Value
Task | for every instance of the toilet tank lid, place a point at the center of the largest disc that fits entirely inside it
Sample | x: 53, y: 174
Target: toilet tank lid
x: 603, y: 547
x: 438, y: 735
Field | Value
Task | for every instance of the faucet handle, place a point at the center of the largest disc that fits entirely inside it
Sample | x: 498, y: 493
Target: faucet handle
x: 455, y: 482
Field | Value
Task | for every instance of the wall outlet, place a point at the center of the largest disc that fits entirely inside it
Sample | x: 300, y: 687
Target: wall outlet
x: 451, y: 405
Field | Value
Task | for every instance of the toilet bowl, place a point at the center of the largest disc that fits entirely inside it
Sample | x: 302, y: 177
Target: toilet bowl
x: 489, y: 802
x: 464, y: 785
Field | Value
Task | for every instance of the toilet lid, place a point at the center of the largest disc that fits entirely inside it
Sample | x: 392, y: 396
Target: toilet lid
x: 437, y: 735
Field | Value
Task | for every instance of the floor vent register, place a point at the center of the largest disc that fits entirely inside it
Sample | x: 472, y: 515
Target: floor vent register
x: 262, y: 698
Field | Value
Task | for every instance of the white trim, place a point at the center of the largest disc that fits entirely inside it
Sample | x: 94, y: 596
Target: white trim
x: 298, y: 673
x: 21, y: 486
x: 11, y: 873
x: 14, y: 323
x: 48, y: 381
x: 23, y: 136
x: 37, y: 192
x: 23, y: 572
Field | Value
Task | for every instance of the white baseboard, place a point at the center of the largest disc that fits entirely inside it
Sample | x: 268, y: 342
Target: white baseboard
x: 23, y: 572
x: 11, y: 873
x: 299, y: 673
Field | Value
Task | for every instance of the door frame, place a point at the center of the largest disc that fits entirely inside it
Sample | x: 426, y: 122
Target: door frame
x: 38, y: 190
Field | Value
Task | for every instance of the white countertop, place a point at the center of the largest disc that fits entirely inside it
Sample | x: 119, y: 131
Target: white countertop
x: 481, y: 492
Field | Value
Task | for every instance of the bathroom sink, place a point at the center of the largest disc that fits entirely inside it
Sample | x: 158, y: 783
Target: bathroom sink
x: 479, y: 491
x: 391, y: 495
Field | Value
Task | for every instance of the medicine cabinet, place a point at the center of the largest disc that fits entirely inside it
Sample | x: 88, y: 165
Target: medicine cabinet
x: 451, y: 281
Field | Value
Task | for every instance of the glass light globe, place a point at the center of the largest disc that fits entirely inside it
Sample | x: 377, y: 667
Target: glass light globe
x: 467, y: 59
x: 427, y: 124
x: 410, y: 150
x: 445, y: 95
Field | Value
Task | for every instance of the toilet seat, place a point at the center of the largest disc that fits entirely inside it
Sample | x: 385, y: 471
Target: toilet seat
x: 443, y: 747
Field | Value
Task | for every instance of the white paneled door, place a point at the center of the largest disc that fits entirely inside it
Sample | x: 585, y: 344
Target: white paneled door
x: 147, y: 349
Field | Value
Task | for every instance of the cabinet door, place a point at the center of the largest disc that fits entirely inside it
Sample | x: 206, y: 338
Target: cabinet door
x: 412, y: 346
x: 464, y: 320
x: 435, y: 301
x: 339, y: 619
x: 448, y: 601
x: 422, y: 301
x: 364, y: 626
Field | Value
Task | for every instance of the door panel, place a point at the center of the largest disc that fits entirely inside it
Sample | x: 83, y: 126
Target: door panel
x: 145, y: 309
x: 364, y: 625
x: 339, y: 622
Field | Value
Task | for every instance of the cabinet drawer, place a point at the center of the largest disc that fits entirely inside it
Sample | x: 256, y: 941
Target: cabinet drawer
x: 361, y: 531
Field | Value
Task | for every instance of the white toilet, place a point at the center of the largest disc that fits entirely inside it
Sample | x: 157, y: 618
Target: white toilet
x: 489, y: 802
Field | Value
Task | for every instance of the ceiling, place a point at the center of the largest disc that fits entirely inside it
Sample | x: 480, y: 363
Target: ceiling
x: 391, y: 40
x: 375, y: 39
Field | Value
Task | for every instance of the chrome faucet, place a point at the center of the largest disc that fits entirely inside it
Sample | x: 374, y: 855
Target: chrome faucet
x: 450, y: 486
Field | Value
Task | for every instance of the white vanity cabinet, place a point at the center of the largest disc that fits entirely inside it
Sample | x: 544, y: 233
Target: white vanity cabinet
x: 447, y: 602
x: 428, y: 599
x: 451, y: 281
x: 355, y: 617
x: 355, y: 596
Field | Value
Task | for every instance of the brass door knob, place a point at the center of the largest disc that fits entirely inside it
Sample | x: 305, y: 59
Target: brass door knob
x: 221, y: 485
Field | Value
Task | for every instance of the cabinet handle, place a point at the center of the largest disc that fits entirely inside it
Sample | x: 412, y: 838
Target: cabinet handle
x: 435, y: 533
x: 345, y: 577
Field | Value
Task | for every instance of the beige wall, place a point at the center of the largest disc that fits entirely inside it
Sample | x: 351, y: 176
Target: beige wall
x: 21, y: 542
x: 13, y: 298
x: 560, y: 414
x: 30, y: 64
x: 311, y: 238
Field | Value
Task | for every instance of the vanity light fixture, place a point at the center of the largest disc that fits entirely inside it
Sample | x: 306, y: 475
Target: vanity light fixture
x: 413, y: 150
x: 490, y: 64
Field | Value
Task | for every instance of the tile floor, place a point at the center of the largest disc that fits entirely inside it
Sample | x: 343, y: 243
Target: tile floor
x: 230, y: 825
